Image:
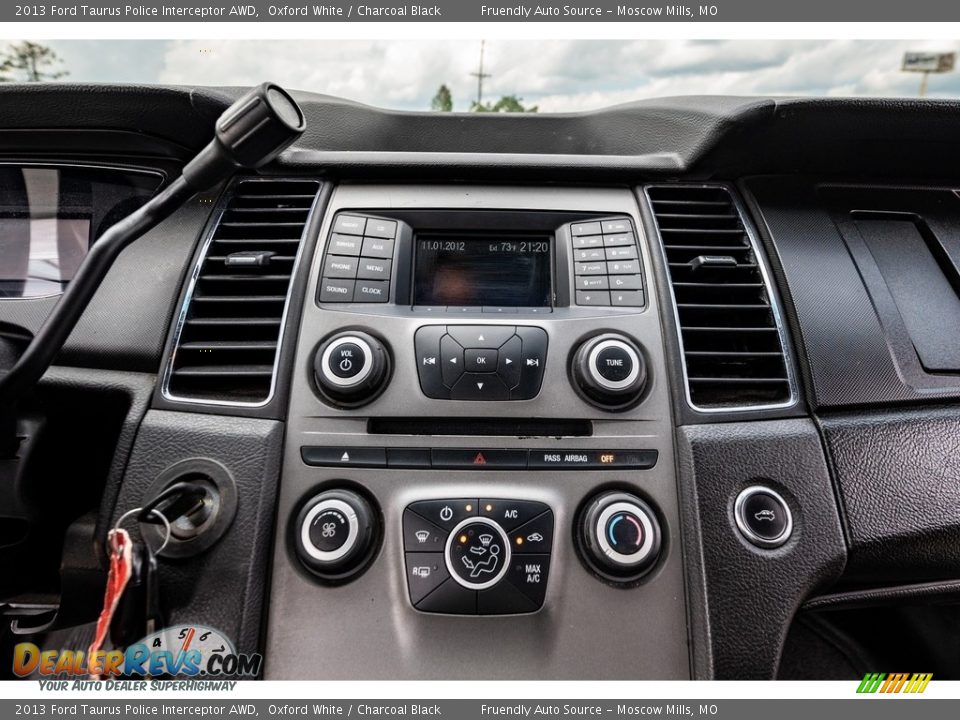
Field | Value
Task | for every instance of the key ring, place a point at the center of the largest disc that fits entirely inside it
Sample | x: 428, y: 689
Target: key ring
x: 153, y: 511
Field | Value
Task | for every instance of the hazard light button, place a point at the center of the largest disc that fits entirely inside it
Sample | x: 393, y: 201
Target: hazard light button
x: 473, y: 459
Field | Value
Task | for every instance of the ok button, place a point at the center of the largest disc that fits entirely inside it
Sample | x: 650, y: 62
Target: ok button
x: 481, y: 360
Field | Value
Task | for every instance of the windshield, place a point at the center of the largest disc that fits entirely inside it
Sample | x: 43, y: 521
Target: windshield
x: 504, y: 75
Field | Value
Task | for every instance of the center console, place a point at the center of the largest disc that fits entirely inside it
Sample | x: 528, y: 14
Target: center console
x: 478, y: 477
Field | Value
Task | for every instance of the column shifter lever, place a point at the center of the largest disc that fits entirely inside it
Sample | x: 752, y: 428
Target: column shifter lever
x: 249, y: 134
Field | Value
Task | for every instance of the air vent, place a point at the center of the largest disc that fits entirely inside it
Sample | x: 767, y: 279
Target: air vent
x: 230, y: 325
x: 731, y: 340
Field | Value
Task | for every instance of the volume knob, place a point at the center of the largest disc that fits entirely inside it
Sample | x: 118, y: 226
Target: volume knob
x: 351, y: 368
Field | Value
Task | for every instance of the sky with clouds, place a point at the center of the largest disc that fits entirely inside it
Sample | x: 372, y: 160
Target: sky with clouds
x: 556, y: 75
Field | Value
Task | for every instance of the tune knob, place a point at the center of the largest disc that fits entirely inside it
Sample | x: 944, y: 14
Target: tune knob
x: 619, y: 536
x: 609, y: 370
x: 351, y: 368
x: 336, y: 534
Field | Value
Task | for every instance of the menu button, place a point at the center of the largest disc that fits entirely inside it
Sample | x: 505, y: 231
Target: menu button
x: 374, y: 269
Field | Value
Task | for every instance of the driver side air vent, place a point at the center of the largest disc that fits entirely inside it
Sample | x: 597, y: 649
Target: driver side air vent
x: 730, y: 334
x: 228, y: 334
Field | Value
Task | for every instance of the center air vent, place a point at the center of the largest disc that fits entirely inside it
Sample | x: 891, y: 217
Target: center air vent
x: 230, y: 325
x: 731, y: 340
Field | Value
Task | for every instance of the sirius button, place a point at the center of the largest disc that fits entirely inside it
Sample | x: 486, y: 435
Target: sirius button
x: 343, y: 245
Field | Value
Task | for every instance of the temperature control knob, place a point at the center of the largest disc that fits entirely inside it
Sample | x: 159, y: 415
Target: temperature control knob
x: 619, y: 536
x: 336, y: 534
x: 609, y: 370
x: 351, y: 368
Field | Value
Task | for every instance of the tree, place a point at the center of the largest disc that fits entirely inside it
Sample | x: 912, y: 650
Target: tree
x: 507, y: 103
x: 443, y: 100
x: 31, y: 62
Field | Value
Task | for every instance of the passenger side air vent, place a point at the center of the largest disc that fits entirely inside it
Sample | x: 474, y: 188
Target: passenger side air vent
x: 733, y: 351
x: 230, y: 326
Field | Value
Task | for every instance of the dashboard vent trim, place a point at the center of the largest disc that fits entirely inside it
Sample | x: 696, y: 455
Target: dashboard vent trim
x: 241, y: 313
x: 700, y: 227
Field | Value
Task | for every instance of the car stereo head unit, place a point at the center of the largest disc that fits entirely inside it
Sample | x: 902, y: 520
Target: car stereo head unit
x: 480, y: 262
x: 483, y: 270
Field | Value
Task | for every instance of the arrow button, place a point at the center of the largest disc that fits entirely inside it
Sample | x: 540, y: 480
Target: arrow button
x: 479, y: 386
x: 451, y: 358
x: 481, y: 336
x: 510, y: 362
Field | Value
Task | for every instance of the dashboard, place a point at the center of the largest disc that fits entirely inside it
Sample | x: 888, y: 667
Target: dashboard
x: 661, y: 391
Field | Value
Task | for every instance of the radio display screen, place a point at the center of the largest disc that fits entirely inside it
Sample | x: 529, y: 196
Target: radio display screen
x: 489, y: 270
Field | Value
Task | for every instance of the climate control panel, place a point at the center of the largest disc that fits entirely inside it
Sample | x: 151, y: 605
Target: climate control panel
x: 470, y: 556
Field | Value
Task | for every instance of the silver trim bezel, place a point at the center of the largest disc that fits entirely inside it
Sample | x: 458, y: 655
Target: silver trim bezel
x: 640, y: 555
x: 508, y: 554
x: 191, y: 287
x: 364, y: 371
x: 353, y: 530
x: 771, y: 294
x: 613, y: 384
x: 745, y: 529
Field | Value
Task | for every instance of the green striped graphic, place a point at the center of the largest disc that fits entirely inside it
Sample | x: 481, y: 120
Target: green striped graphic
x: 887, y: 683
x: 871, y: 682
